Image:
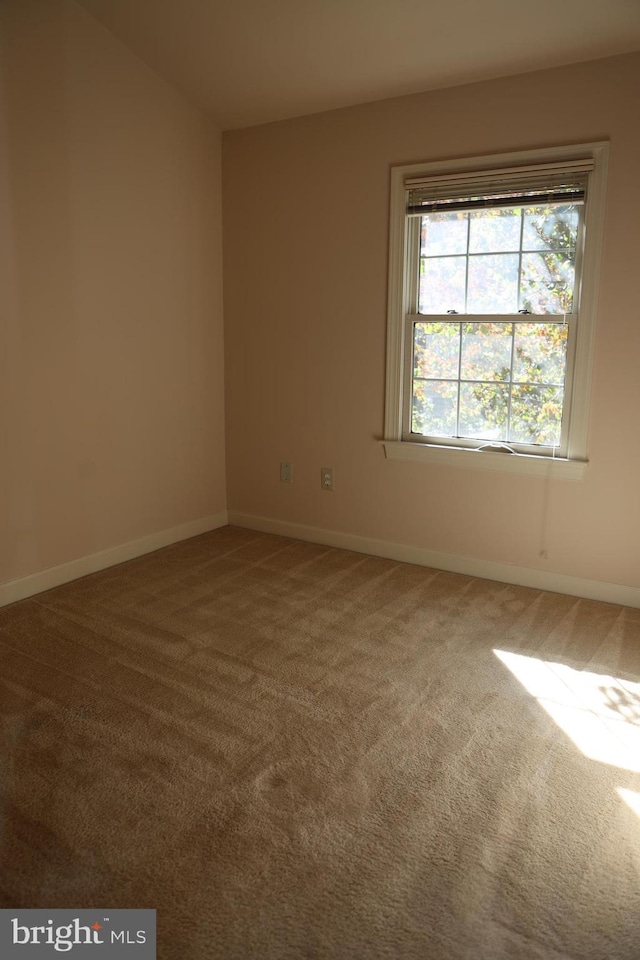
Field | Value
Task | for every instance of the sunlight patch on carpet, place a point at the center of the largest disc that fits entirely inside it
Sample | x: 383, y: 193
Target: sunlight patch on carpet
x: 599, y: 713
x: 631, y: 798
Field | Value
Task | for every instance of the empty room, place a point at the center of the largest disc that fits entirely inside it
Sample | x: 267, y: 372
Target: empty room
x: 319, y: 512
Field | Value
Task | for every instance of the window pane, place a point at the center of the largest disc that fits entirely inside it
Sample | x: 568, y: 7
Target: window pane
x: 494, y: 231
x: 443, y: 233
x: 547, y: 282
x: 436, y: 349
x: 434, y: 408
x: 493, y: 284
x: 486, y: 351
x: 483, y: 410
x: 550, y: 227
x: 536, y: 414
x: 442, y: 285
x: 540, y: 351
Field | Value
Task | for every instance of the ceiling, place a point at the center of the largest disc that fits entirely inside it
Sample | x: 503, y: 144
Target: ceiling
x: 254, y: 61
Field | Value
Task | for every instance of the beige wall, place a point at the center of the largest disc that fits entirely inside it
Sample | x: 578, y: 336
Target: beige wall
x: 305, y: 253
x: 111, y: 350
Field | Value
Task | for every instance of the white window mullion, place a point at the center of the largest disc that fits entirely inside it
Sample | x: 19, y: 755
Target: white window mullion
x: 466, y: 266
x: 513, y: 348
x: 519, y: 307
x: 459, y: 379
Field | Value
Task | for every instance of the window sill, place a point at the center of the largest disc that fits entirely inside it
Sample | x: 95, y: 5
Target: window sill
x: 556, y: 468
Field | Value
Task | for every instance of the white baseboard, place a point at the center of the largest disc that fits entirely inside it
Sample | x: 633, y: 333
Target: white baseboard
x: 65, y: 572
x: 486, y: 569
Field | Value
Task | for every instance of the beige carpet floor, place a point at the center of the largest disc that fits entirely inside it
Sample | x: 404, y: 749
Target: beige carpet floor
x: 292, y: 751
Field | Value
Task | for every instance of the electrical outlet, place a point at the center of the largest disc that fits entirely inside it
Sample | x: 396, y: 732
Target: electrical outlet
x: 326, y: 478
x: 286, y: 472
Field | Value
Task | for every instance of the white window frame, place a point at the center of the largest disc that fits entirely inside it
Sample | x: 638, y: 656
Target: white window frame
x: 579, y: 363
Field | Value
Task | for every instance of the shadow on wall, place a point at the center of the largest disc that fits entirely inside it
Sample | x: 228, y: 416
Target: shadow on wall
x: 39, y: 392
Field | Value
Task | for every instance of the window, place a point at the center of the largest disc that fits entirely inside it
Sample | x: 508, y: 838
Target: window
x: 493, y: 275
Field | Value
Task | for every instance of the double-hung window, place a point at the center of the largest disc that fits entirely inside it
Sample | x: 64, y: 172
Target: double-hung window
x: 493, y: 275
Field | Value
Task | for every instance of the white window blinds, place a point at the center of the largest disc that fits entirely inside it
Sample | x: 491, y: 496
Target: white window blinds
x: 511, y: 187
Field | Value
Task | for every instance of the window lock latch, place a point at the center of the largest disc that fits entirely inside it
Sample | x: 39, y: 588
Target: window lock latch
x: 497, y: 448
